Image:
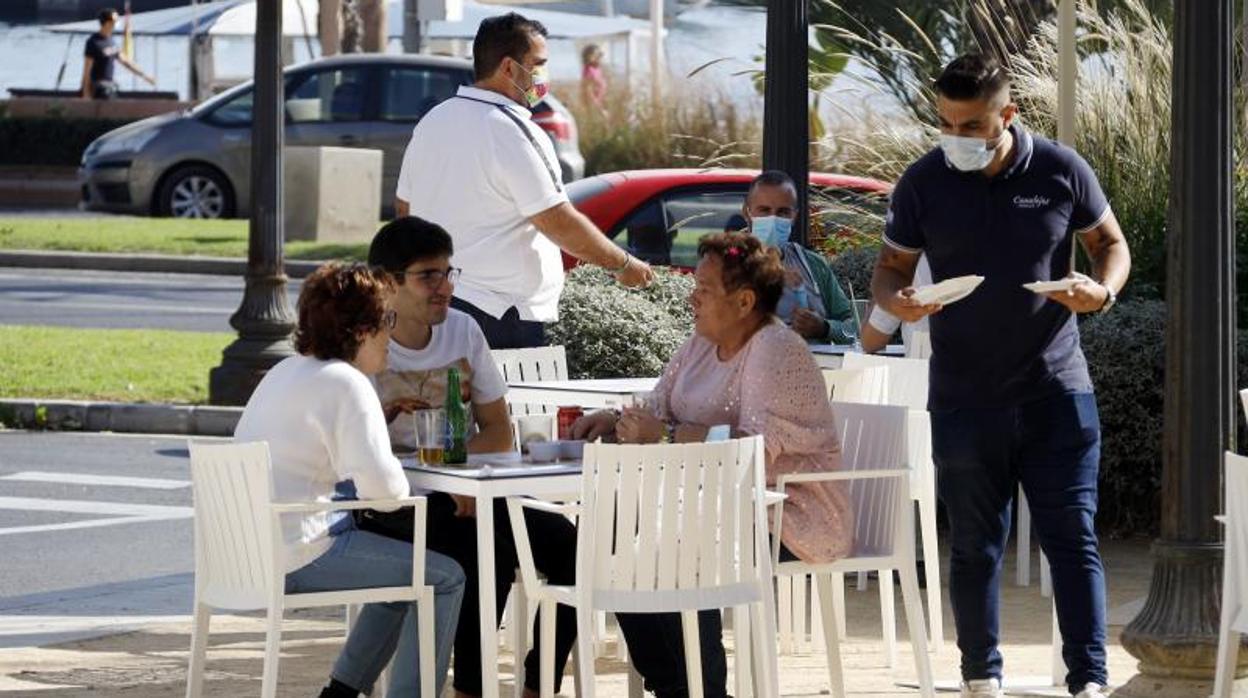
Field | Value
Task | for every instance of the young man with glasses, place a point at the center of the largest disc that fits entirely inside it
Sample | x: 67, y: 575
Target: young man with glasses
x: 429, y: 338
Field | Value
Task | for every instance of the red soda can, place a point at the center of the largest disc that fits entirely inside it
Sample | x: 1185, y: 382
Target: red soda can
x: 567, y: 416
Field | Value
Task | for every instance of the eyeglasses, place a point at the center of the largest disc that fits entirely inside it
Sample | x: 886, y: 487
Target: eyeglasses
x: 432, y: 278
x: 389, y: 319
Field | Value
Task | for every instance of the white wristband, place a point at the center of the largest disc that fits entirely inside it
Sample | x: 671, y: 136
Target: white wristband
x: 884, y: 321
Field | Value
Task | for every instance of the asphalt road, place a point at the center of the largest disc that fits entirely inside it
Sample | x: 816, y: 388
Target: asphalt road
x: 121, y: 300
x: 78, y: 511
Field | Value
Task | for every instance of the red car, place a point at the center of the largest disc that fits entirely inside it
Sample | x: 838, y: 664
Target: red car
x: 658, y: 215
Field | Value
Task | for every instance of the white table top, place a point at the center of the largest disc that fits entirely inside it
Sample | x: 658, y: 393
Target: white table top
x: 842, y: 349
x: 615, y: 386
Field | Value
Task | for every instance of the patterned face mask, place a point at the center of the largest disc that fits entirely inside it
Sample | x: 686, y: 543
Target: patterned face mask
x: 539, y: 85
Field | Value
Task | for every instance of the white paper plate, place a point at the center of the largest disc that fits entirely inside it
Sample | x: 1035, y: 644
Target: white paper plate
x: 1051, y: 286
x: 947, y: 291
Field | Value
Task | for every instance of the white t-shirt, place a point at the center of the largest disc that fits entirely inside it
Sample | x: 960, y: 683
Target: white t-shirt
x: 888, y: 323
x: 470, y: 169
x: 323, y: 425
x: 421, y: 374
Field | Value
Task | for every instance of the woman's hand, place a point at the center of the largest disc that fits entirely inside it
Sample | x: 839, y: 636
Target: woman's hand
x: 594, y: 425
x: 690, y: 434
x: 637, y: 426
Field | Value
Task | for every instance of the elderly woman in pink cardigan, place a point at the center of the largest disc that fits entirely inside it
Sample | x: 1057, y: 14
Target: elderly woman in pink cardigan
x: 745, y: 369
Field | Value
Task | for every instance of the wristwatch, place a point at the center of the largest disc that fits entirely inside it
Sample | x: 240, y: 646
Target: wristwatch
x: 1110, y: 299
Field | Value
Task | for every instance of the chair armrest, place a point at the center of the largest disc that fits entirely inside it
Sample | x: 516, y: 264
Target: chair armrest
x: 566, y: 509
x: 841, y: 475
x: 345, y: 505
x: 772, y: 498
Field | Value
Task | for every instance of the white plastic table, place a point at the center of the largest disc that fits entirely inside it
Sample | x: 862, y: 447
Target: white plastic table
x: 489, y: 477
x: 829, y: 355
x: 595, y: 393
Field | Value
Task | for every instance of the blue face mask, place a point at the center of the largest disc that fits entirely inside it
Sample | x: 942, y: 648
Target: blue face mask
x: 771, y: 230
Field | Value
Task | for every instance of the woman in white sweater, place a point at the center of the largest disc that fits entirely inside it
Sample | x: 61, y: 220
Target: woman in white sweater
x: 321, y: 418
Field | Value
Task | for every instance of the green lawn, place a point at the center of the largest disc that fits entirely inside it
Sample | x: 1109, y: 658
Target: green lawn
x: 122, y: 365
x: 173, y: 236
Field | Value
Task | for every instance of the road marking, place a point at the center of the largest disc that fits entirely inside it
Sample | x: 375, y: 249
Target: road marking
x: 132, y: 307
x: 150, y: 483
x: 113, y: 512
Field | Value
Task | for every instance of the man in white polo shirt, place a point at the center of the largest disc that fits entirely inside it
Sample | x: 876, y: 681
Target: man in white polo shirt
x: 479, y: 166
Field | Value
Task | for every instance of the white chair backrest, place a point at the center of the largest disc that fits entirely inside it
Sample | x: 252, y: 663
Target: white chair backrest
x: 907, y: 378
x: 919, y: 345
x: 1236, y: 559
x: 867, y: 385
x: 671, y: 518
x: 236, y: 534
x: 873, y: 437
x: 534, y: 364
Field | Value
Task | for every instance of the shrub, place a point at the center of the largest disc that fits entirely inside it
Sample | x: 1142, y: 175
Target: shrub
x: 1126, y: 356
x: 613, y: 332
x: 49, y: 140
x: 853, y: 268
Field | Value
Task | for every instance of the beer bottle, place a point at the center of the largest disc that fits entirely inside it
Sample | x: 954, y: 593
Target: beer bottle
x: 456, y: 421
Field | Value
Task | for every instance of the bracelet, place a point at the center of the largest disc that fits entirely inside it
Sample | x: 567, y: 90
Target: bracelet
x: 628, y: 259
x: 669, y: 433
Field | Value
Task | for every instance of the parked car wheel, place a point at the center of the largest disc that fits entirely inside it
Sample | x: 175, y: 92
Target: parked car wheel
x: 196, y: 191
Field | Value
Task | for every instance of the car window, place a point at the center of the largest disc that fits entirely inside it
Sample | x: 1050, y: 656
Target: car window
x: 644, y: 234
x: 693, y: 214
x: 326, y: 95
x: 235, y: 112
x: 409, y: 92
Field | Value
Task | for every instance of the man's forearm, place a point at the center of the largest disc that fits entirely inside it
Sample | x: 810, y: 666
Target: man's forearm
x: 579, y: 237
x: 885, y: 283
x: 1112, y: 266
x: 493, y: 438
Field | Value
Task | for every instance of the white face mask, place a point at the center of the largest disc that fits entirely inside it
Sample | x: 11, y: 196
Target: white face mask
x: 966, y: 153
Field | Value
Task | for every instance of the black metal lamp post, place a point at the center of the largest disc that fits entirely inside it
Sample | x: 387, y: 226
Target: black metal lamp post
x: 1175, y: 635
x: 786, y: 121
x: 264, y: 320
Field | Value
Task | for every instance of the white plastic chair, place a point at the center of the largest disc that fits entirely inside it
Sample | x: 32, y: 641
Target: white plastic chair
x: 666, y: 528
x: 1234, y: 574
x: 867, y: 385
x: 1243, y: 399
x: 534, y: 364
x: 907, y: 387
x: 874, y: 454
x: 239, y: 557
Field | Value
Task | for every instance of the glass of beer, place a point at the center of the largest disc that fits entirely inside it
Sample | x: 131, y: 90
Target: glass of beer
x: 430, y: 435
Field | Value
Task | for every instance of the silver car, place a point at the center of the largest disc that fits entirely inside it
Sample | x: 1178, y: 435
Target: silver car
x: 196, y: 163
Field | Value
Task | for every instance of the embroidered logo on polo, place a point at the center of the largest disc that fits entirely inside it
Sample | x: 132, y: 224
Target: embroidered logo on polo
x: 1031, y: 202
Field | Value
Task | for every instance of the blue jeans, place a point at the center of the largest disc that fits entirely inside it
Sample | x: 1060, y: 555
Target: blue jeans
x: 358, y: 560
x: 1052, y: 447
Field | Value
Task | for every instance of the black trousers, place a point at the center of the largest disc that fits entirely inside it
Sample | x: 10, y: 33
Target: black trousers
x: 507, y: 332
x: 654, y: 640
x: 553, y: 540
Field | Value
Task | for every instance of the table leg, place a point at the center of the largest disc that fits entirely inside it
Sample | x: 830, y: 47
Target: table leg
x: 485, y: 598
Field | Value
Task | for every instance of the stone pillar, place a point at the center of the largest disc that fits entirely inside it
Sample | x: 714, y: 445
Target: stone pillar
x: 1175, y: 635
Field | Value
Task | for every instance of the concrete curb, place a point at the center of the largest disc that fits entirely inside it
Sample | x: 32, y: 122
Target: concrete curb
x: 151, y: 263
x: 142, y: 418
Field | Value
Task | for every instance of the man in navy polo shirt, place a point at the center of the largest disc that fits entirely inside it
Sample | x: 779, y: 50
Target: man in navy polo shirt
x: 1011, y: 401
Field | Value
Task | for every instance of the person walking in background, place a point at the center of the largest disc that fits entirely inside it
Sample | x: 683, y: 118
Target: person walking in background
x: 98, y: 57
x: 1011, y: 400
x: 593, y: 80
x: 479, y: 166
